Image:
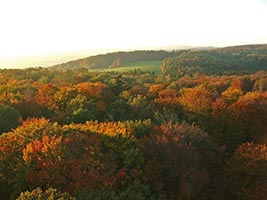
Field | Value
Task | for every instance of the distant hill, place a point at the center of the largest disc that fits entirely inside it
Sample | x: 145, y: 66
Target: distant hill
x: 228, y: 60
x: 116, y: 59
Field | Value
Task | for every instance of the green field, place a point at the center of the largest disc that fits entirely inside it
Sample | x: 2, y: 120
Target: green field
x: 153, y: 66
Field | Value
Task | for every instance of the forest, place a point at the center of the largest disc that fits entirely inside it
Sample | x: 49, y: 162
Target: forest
x: 219, y: 61
x: 78, y: 134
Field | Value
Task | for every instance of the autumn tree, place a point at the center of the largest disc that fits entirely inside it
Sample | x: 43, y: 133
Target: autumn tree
x: 173, y: 161
x: 196, y: 100
x: 247, y: 167
x: 12, y: 166
x: 50, y: 193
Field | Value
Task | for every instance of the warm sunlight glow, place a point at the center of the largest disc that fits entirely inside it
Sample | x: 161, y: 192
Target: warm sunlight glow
x: 35, y: 28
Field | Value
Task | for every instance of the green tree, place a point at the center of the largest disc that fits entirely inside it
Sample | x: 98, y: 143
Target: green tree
x: 119, y: 110
x: 9, y: 118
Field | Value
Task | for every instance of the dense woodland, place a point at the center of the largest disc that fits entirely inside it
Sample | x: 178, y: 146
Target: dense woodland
x: 220, y: 61
x: 76, y: 134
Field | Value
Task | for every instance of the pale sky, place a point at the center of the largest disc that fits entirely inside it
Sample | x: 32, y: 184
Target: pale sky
x: 46, y: 27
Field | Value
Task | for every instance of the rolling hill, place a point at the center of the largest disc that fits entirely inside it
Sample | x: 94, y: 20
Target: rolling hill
x: 229, y: 60
x: 114, y: 60
x: 203, y: 60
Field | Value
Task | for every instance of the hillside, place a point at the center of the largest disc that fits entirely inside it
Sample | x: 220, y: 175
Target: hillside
x: 211, y: 61
x: 228, y: 60
x: 116, y: 59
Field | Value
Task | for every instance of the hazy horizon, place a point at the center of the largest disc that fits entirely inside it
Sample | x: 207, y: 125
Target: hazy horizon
x: 48, y: 60
x: 45, y: 33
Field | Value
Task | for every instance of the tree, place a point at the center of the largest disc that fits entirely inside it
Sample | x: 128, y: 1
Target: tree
x: 174, y: 164
x: 197, y: 100
x: 12, y: 166
x: 9, y: 118
x: 39, y: 194
x: 119, y: 110
x: 140, y: 107
x: 80, y: 109
x: 224, y: 127
x: 232, y: 94
x: 247, y: 172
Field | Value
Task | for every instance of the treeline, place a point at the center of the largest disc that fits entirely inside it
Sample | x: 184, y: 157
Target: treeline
x: 115, y: 59
x: 221, y: 61
x: 134, y: 135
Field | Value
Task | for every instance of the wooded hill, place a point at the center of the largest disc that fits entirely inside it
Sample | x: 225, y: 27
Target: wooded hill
x: 212, y: 61
x: 115, y: 59
x: 221, y: 61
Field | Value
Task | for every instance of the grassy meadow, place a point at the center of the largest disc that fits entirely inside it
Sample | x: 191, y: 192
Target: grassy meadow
x: 153, y: 66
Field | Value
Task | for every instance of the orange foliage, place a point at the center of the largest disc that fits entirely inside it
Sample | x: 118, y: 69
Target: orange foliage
x: 251, y: 153
x: 44, y: 96
x: 35, y: 128
x: 251, y: 111
x: 232, y: 94
x: 168, y: 97
x: 47, y: 146
x: 248, y: 171
x: 197, y: 100
x: 106, y: 128
x: 91, y: 89
x: 155, y: 87
x: 237, y: 84
x: 219, y: 107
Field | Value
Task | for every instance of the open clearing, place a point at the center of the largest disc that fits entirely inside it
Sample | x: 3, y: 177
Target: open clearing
x: 153, y: 66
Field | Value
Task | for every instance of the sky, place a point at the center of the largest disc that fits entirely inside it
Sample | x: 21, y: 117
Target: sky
x: 39, y: 28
